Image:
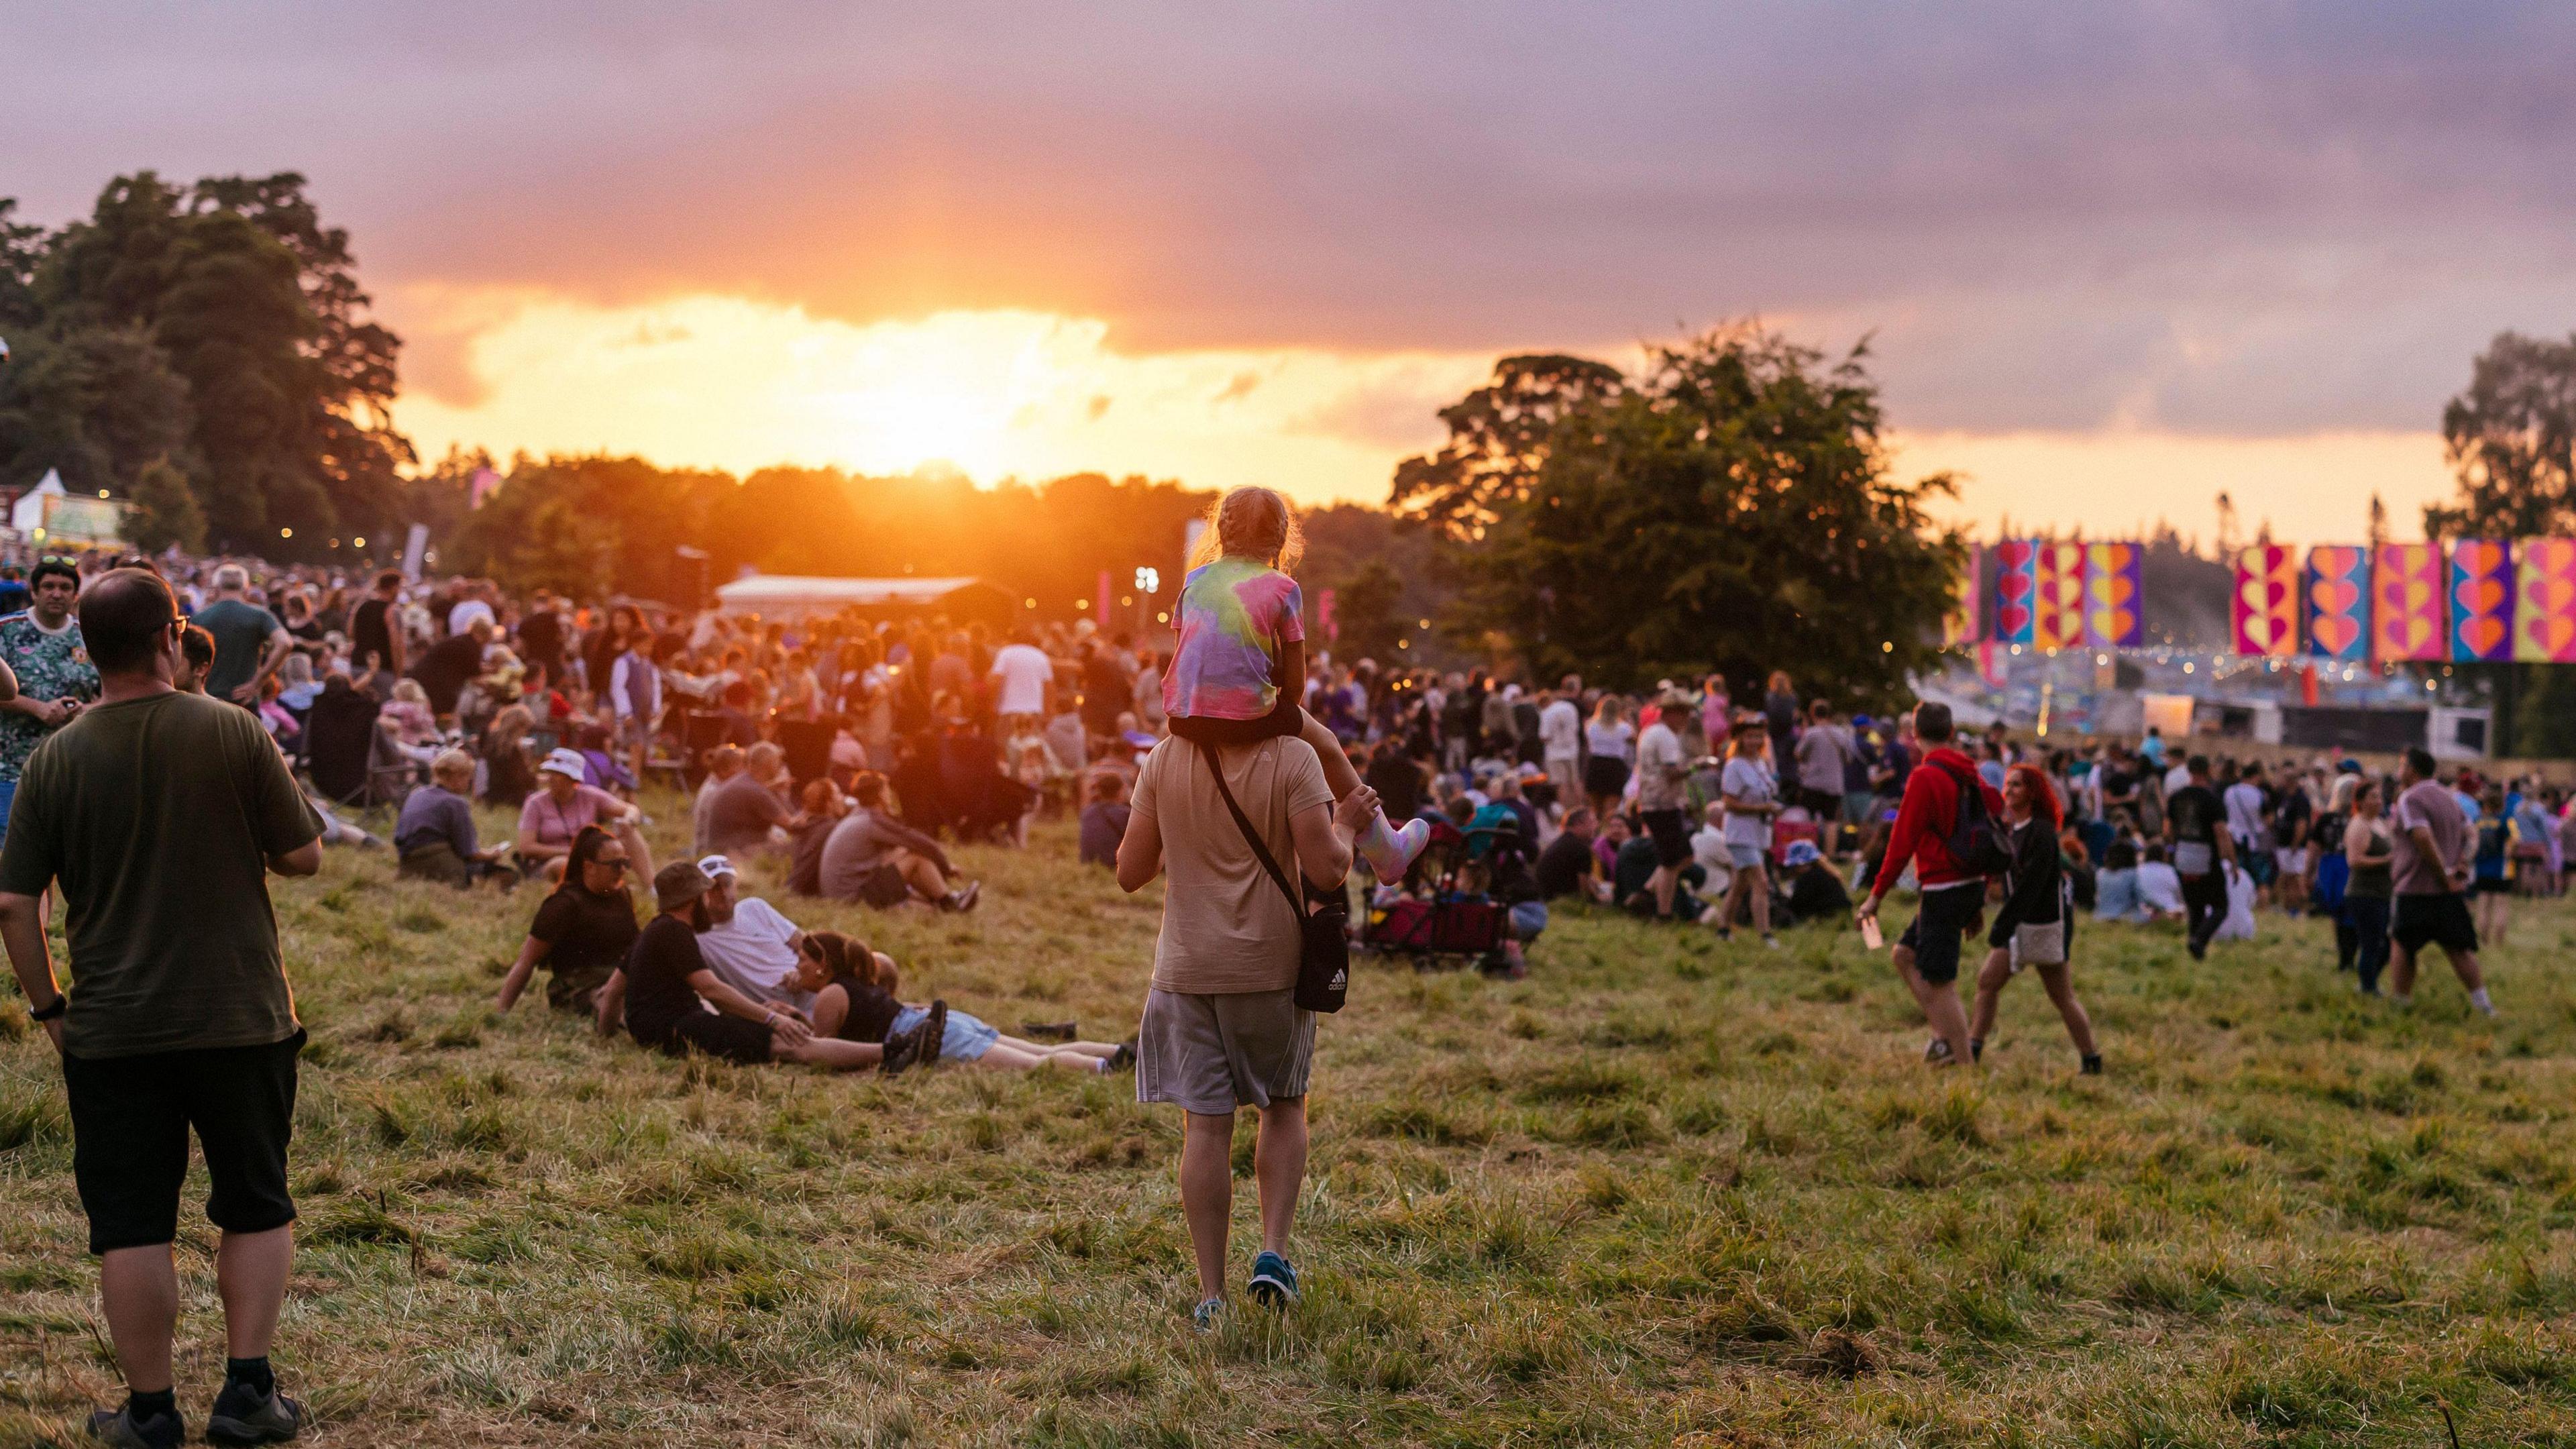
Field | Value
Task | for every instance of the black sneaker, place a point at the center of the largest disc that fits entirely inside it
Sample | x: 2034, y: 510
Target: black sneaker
x: 902, y: 1049
x: 120, y: 1428
x: 242, y: 1416
x: 1977, y: 1048
x: 934, y: 1031
x: 2199, y: 950
x: 1125, y: 1057
x: 1049, y: 1030
x: 2092, y: 1064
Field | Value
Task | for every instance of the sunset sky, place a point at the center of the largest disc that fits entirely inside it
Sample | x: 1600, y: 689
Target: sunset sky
x: 2111, y: 259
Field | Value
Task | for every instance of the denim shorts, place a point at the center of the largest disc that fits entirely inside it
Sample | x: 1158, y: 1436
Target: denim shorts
x: 966, y: 1039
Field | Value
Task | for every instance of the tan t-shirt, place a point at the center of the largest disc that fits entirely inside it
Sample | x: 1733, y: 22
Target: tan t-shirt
x: 1226, y: 926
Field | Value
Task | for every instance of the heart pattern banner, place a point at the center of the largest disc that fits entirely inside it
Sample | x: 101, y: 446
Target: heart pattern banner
x: 2481, y: 600
x: 2337, y: 603
x: 2406, y: 613
x: 2112, y: 616
x: 2016, y: 585
x: 2057, y: 619
x: 2266, y: 603
x: 2544, y: 602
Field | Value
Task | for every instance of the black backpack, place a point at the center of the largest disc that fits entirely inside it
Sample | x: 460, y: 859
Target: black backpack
x: 1976, y: 840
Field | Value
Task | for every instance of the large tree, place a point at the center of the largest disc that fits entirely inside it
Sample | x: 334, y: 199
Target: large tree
x: 1498, y: 441
x: 246, y: 298
x: 1732, y: 508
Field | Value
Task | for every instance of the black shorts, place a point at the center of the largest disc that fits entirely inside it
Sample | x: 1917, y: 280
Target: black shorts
x: 1671, y: 837
x: 130, y: 1121
x: 1286, y: 719
x: 2441, y: 920
x: 884, y: 887
x: 2492, y: 885
x: 1605, y: 775
x: 718, y: 1035
x: 1939, y: 922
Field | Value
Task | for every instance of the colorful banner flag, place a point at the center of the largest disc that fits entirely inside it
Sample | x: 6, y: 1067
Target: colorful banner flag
x: 1959, y: 626
x: 2544, y: 606
x: 2266, y: 603
x: 2338, y: 603
x: 2406, y: 613
x: 2016, y: 582
x: 2113, y: 618
x: 2057, y: 615
x: 2481, y: 600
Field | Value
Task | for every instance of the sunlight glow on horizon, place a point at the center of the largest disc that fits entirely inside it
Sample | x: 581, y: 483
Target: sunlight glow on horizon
x: 738, y: 384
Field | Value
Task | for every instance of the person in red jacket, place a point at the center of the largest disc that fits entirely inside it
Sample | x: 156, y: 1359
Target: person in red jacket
x: 1953, y: 901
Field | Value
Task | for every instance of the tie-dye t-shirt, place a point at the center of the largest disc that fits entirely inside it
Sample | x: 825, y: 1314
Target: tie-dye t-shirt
x: 1234, y: 612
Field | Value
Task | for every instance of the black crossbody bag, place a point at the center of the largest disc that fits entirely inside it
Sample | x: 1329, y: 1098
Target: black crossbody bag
x: 1324, y: 954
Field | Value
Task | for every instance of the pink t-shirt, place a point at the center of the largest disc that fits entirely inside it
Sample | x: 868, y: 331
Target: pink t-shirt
x: 543, y: 822
x: 1234, y: 615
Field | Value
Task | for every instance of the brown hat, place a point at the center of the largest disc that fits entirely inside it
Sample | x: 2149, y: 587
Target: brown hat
x: 677, y: 884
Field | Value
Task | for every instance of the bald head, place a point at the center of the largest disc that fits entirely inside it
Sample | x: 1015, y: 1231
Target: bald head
x: 125, y: 618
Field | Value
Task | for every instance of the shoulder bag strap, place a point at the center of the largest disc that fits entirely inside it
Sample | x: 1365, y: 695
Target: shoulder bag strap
x: 1251, y: 837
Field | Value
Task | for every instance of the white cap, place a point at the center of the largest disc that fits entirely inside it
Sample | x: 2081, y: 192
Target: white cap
x: 717, y: 867
x: 567, y: 763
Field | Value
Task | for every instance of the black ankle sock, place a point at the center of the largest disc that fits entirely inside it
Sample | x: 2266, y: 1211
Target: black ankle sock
x: 252, y: 1374
x: 151, y: 1406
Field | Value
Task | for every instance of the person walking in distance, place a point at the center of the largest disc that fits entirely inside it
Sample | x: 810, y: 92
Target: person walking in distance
x: 1222, y: 1028
x: 159, y: 813
x: 2036, y: 925
x: 2196, y: 831
x: 2431, y: 875
x: 1946, y: 811
x: 53, y: 677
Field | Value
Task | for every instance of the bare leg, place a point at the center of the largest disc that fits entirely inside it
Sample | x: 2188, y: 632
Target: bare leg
x: 1091, y: 1049
x: 250, y: 1275
x: 1735, y: 889
x: 921, y: 875
x: 1339, y: 777
x: 824, y: 1051
x: 1661, y: 886
x: 1279, y: 1168
x: 1991, y: 980
x: 139, y: 1288
x: 2401, y: 971
x: 1941, y: 1007
x: 1760, y: 877
x: 2061, y: 990
x: 1207, y: 1194
x: 2465, y: 964
x: 1002, y: 1057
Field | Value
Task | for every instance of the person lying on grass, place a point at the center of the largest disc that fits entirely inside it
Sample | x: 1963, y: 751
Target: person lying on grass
x: 670, y: 999
x: 854, y: 999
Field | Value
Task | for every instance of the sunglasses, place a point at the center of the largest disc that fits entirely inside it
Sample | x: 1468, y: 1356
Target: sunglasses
x: 610, y: 862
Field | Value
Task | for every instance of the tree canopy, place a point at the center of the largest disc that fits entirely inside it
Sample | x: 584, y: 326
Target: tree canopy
x: 219, y: 328
x: 1730, y: 509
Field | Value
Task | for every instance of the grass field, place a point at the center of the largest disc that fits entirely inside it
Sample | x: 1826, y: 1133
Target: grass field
x: 1663, y: 1191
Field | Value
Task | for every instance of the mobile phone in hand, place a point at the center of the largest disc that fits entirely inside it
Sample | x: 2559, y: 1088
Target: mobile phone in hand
x: 1870, y: 935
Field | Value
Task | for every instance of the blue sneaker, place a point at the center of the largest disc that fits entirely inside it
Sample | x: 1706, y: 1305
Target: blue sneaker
x: 1274, y: 1283
x: 1208, y: 1314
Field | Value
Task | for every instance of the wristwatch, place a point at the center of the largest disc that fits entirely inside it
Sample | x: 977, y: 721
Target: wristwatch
x: 62, y: 1003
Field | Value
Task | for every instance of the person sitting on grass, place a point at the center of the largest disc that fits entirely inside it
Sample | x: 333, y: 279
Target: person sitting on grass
x: 557, y: 813
x: 853, y: 990
x: 671, y: 1000
x: 583, y: 930
x: 876, y: 859
x: 434, y: 837
x: 824, y: 806
x: 1104, y: 820
x: 1815, y: 892
x: 751, y: 947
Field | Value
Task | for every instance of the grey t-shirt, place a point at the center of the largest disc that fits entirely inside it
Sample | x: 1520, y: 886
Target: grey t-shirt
x: 740, y: 813
x: 2428, y: 804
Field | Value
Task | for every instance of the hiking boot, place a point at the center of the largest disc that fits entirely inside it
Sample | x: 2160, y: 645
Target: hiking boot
x: 243, y: 1415
x: 1048, y: 1030
x: 119, y: 1427
x: 1123, y: 1059
x: 1274, y: 1282
x: 934, y: 1032
x: 902, y: 1049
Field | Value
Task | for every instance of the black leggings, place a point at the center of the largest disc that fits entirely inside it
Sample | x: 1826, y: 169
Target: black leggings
x: 2370, y: 925
x: 2204, y: 906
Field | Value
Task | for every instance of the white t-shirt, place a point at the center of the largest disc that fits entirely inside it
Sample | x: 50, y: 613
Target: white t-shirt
x: 2160, y: 887
x: 1560, y: 730
x: 2245, y: 813
x: 752, y: 953
x: 1609, y: 740
x: 1749, y: 780
x: 1025, y: 672
x: 2177, y: 777
x: 1659, y: 768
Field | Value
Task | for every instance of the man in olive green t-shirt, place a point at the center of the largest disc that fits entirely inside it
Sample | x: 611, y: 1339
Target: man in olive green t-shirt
x: 159, y: 814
